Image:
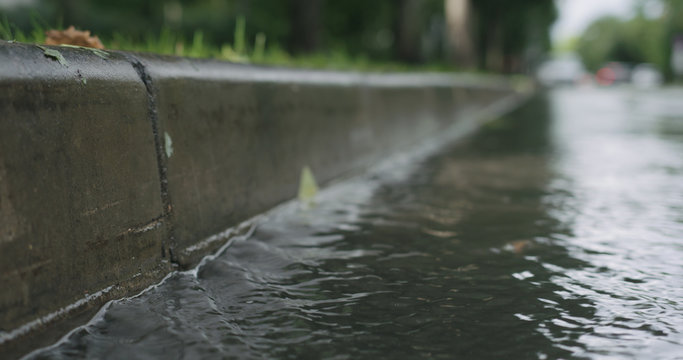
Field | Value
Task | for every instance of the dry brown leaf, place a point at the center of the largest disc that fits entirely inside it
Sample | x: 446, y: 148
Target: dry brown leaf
x: 521, y: 246
x: 71, y: 36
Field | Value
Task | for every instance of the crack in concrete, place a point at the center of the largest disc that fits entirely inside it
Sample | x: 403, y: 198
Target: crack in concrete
x: 143, y: 228
x: 167, y: 212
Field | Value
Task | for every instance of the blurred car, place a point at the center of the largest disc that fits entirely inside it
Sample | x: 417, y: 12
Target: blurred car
x: 646, y: 76
x: 562, y: 71
x: 613, y: 73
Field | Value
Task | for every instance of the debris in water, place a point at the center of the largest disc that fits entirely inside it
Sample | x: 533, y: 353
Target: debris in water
x: 467, y: 268
x: 519, y: 246
x: 71, y: 36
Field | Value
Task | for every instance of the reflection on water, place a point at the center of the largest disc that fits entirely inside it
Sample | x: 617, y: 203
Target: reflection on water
x: 553, y: 233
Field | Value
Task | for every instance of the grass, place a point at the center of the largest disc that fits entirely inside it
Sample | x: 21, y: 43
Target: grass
x: 11, y: 32
x: 242, y: 50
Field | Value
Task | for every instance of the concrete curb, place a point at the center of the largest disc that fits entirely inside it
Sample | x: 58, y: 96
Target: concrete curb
x: 113, y: 171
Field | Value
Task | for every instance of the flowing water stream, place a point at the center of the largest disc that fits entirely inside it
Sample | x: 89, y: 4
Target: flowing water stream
x: 554, y: 232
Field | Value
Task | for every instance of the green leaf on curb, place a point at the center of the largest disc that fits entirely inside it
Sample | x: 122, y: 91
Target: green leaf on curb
x: 52, y: 53
x: 101, y: 53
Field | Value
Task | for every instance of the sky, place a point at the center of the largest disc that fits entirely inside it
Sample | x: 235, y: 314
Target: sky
x: 576, y: 15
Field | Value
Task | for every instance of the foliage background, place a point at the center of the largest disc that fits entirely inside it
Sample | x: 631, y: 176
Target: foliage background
x: 505, y: 38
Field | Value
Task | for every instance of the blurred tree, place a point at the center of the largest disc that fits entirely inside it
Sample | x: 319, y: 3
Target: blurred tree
x: 356, y: 27
x: 408, y: 30
x: 460, y: 36
x: 306, y: 25
x: 494, y: 34
x: 599, y: 41
x: 636, y: 40
x: 641, y: 39
x: 673, y: 36
x: 507, y: 37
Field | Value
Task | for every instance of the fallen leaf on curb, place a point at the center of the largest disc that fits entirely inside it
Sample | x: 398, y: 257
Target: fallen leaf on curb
x: 54, y: 54
x: 71, y: 36
x: 101, y: 53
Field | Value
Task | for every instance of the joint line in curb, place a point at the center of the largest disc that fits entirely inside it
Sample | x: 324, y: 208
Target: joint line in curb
x: 152, y: 112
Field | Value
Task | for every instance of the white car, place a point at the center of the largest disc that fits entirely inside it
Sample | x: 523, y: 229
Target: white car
x: 646, y: 76
x: 562, y: 71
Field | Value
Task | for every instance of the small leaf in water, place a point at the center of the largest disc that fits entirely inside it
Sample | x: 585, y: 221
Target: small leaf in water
x: 466, y: 268
x: 308, y: 187
x: 55, y: 55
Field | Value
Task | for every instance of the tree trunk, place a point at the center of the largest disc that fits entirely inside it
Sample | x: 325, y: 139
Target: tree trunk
x: 494, y: 44
x: 306, y: 25
x: 460, y: 34
x: 408, y: 29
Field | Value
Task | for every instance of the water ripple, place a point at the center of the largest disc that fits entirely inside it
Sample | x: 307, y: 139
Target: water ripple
x: 553, y: 234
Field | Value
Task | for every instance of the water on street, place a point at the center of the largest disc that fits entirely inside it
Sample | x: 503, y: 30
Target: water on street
x: 554, y: 232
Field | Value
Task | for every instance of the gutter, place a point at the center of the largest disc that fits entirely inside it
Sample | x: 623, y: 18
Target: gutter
x: 118, y: 168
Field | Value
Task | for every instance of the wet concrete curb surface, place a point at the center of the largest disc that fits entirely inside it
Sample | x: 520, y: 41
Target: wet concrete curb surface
x: 117, y: 168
